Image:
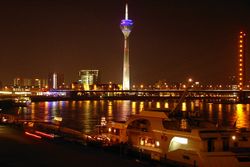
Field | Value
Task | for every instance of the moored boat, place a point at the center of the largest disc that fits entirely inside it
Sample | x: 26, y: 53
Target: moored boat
x: 182, y: 141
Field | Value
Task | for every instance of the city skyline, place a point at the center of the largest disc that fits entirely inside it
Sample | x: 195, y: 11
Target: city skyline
x: 171, y: 40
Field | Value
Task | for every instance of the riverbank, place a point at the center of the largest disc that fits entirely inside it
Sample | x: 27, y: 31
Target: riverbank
x: 18, y: 149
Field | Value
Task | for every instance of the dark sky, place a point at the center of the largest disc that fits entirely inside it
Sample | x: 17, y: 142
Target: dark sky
x: 171, y: 39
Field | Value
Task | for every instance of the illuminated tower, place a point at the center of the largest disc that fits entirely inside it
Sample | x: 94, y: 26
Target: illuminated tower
x: 126, y: 27
x: 55, y: 80
x: 241, y: 60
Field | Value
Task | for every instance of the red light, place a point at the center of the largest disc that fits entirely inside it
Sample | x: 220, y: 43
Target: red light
x: 33, y: 135
x: 45, y: 134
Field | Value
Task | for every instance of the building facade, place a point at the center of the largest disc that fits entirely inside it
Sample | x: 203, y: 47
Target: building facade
x: 26, y: 84
x: 89, y: 78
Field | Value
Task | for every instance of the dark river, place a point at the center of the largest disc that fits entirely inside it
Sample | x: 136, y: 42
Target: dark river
x: 85, y: 115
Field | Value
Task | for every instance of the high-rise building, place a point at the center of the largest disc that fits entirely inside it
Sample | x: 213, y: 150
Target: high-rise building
x: 21, y: 84
x: 27, y: 82
x: 126, y: 27
x: 88, y: 78
x: 18, y: 82
x: 56, y: 81
x: 241, y: 60
x: 40, y: 83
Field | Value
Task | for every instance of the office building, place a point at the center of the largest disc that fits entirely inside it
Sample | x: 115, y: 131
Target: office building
x: 89, y: 78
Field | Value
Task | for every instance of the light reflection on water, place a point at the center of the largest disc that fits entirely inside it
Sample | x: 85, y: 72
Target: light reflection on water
x: 241, y: 115
x: 85, y: 115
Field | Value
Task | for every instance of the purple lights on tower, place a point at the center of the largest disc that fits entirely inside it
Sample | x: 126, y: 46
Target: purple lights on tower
x: 126, y: 26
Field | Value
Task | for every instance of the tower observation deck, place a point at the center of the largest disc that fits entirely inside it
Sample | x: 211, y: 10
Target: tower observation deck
x: 126, y: 27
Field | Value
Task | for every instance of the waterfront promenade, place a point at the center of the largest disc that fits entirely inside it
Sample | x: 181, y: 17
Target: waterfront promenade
x: 17, y: 149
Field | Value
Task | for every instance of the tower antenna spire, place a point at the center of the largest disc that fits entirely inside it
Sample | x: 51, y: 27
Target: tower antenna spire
x: 126, y: 12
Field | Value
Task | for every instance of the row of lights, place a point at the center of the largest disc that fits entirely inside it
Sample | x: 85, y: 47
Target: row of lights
x: 241, y: 64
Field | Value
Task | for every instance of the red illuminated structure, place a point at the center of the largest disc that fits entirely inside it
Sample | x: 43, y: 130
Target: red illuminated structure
x: 241, y: 60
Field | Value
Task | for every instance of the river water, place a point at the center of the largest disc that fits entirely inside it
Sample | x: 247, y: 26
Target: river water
x: 85, y: 115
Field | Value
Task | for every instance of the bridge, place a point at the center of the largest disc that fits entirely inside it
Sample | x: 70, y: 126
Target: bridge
x: 208, y: 95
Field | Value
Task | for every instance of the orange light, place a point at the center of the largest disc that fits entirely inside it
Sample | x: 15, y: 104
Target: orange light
x: 241, y: 41
x: 142, y: 142
x: 241, y: 36
x: 240, y: 50
x: 241, y: 46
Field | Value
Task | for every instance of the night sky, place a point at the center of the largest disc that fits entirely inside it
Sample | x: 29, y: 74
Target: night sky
x: 171, y: 39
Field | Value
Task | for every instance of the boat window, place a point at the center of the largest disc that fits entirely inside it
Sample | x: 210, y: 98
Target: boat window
x: 225, y: 144
x: 115, y: 131
x: 210, y: 145
x: 140, y: 124
x: 235, y: 144
x: 180, y: 124
x: 178, y: 143
x: 147, y: 141
x: 171, y: 124
x: 186, y: 124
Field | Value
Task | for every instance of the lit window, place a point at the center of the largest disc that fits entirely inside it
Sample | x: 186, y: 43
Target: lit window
x: 157, y: 143
x: 180, y: 140
x: 142, y: 142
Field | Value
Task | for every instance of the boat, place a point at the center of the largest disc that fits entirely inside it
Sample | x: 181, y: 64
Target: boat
x: 185, y: 141
x: 22, y: 101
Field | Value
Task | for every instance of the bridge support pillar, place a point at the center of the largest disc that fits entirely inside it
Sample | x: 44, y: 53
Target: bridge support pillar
x: 242, y: 97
